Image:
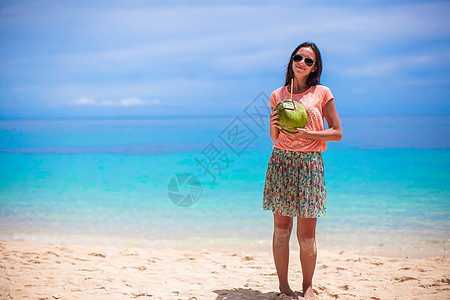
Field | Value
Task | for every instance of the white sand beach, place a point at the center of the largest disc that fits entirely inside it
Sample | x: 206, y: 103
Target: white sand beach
x: 66, y: 271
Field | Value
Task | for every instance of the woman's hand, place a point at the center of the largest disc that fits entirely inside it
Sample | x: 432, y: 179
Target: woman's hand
x: 274, y: 117
x: 274, y: 128
x: 301, y: 133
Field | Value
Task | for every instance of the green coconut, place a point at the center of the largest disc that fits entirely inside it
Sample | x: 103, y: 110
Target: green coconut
x: 291, y: 118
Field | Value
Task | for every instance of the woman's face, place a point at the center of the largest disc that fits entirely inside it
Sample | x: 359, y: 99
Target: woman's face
x: 300, y: 68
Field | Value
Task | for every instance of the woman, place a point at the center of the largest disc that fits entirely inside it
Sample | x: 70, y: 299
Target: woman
x: 295, y: 185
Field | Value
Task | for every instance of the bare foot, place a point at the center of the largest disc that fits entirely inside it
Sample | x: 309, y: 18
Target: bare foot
x: 288, y: 292
x: 308, y: 293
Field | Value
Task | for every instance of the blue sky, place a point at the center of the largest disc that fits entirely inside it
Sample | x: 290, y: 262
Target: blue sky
x: 153, y: 58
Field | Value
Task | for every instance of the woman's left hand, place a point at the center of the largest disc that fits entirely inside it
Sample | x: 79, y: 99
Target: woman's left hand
x: 301, y: 133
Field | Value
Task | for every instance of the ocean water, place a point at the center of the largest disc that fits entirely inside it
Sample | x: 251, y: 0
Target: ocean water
x: 197, y: 182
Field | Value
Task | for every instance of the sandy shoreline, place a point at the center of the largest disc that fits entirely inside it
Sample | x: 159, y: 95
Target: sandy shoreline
x: 52, y: 271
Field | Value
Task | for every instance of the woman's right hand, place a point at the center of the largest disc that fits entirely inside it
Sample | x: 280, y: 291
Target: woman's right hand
x: 274, y: 118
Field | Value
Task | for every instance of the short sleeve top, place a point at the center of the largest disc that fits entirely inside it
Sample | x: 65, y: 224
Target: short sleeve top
x: 313, y: 100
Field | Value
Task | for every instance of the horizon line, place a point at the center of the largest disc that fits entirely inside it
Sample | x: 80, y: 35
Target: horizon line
x: 145, y: 117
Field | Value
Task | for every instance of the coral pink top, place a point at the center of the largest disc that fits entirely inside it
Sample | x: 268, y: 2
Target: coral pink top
x: 314, y: 99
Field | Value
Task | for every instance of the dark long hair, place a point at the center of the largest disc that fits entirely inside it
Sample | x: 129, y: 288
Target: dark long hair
x: 314, y: 77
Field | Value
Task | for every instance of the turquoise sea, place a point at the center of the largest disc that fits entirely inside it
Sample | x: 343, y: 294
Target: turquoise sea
x: 197, y: 182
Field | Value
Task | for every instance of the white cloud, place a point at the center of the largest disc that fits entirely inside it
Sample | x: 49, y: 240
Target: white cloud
x: 124, y: 40
x: 184, y: 54
x: 148, y: 90
x: 388, y: 65
x: 84, y: 101
x: 372, y: 69
x: 202, y: 38
x: 137, y: 102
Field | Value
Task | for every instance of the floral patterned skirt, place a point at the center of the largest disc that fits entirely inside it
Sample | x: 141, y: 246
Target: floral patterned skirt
x: 295, y: 184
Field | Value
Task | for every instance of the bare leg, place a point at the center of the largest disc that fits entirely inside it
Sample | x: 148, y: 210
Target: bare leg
x: 306, y: 235
x: 280, y: 247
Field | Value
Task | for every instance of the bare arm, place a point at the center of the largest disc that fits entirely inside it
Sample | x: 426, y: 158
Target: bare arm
x: 332, y: 134
x: 274, y: 131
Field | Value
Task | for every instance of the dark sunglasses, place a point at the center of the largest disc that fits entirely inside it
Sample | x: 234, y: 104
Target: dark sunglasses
x: 308, y: 61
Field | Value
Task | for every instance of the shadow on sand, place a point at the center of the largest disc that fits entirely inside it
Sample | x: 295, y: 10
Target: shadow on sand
x: 249, y: 294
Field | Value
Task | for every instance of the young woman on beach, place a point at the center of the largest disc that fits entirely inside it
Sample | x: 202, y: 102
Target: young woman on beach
x: 295, y: 185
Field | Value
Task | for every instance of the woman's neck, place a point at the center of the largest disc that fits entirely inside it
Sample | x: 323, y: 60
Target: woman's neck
x: 300, y: 85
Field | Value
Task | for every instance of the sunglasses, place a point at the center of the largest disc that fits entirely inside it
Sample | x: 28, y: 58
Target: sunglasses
x: 308, y: 61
